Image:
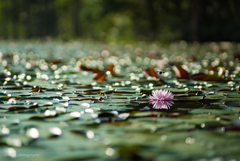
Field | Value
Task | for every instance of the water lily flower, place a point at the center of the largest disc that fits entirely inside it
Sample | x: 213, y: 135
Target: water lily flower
x: 161, y: 99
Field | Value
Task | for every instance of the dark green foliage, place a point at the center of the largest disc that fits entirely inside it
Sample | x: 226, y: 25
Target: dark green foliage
x: 121, y: 20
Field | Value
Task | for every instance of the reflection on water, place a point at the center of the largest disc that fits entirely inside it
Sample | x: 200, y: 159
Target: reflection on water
x: 158, y: 104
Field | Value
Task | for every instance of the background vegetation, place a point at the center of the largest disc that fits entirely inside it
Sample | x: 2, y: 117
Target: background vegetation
x: 121, y: 20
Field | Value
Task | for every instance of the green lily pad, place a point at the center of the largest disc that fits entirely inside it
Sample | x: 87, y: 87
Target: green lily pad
x: 213, y: 111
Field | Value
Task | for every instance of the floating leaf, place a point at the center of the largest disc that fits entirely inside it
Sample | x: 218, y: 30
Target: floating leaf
x: 212, y: 111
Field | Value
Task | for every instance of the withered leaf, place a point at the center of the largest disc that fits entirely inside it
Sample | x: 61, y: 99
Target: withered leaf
x: 150, y: 71
x: 211, y: 68
x: 209, y: 77
x: 100, y: 76
x: 37, y: 89
x: 110, y: 67
x: 86, y: 68
x: 55, y: 61
x: 180, y: 72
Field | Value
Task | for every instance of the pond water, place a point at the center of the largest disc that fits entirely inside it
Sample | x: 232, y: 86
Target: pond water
x: 90, y: 101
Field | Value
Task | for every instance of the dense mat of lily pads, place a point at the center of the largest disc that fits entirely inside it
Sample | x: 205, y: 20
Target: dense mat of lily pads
x: 89, y: 101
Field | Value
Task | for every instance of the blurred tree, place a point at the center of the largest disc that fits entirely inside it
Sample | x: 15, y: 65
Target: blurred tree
x: 195, y: 19
x: 75, y: 19
x: 152, y: 18
x: 121, y: 20
x: 219, y: 20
